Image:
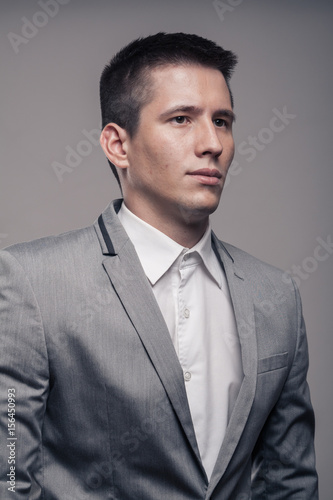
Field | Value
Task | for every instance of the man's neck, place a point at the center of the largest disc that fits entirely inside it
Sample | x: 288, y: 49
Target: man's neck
x: 183, y: 231
x: 187, y: 235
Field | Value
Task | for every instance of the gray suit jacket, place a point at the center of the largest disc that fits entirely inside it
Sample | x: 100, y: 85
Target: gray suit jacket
x: 100, y: 408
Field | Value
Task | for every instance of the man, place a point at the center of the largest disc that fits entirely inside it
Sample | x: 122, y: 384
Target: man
x: 142, y: 358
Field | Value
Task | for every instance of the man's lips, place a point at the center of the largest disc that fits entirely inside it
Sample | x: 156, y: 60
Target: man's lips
x: 208, y: 176
x: 210, y: 172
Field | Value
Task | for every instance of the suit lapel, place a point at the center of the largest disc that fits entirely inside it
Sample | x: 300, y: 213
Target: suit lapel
x: 244, y: 312
x: 134, y: 291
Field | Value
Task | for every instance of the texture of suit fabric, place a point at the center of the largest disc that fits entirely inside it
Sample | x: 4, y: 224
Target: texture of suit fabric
x: 101, y: 408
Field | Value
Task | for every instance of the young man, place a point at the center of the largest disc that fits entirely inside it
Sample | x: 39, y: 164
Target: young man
x: 140, y: 354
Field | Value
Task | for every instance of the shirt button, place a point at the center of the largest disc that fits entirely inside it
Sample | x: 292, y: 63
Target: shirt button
x: 186, y: 313
x: 187, y: 376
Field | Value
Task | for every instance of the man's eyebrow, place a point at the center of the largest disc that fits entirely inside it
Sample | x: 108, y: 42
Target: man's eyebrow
x: 226, y: 112
x: 197, y: 111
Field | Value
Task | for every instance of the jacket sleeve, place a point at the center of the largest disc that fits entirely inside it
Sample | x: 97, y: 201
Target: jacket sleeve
x: 23, y: 384
x: 284, y: 458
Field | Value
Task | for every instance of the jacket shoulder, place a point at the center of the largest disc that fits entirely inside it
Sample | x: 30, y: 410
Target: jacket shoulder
x: 49, y: 248
x: 263, y: 279
x: 247, y: 260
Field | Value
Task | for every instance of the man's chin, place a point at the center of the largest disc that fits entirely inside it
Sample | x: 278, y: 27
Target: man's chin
x: 195, y: 213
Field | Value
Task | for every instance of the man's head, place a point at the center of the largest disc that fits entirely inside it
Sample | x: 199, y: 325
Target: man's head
x: 167, y: 117
x: 126, y: 85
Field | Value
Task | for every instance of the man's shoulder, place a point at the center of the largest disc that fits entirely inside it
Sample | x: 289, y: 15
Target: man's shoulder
x: 271, y: 288
x: 73, y: 242
x: 252, y: 267
x: 247, y: 259
x: 81, y: 242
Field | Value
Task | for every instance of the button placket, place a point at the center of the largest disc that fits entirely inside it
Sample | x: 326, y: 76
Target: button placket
x: 185, y: 324
x: 181, y: 320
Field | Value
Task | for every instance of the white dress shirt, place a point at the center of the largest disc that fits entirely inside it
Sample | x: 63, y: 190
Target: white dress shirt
x: 192, y: 293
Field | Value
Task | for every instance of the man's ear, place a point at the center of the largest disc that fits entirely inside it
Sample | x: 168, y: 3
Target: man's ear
x: 113, y: 141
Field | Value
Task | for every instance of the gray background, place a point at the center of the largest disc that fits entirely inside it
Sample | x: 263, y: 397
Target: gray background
x: 275, y: 206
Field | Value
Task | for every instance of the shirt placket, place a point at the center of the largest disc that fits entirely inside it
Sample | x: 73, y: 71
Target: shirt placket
x: 184, y: 321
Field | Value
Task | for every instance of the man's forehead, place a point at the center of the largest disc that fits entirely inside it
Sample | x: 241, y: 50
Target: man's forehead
x: 185, y: 79
x: 186, y: 68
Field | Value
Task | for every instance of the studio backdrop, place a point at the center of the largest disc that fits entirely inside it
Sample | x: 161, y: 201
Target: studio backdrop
x: 277, y: 203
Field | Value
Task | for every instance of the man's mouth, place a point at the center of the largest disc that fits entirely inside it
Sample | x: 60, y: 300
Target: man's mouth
x: 208, y: 176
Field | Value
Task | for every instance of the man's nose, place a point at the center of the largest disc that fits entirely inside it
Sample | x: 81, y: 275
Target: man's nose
x: 208, y: 141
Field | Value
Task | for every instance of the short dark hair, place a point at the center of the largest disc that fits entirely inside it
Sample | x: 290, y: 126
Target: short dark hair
x: 125, y: 86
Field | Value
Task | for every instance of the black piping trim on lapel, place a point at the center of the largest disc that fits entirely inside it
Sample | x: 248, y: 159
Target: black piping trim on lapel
x: 106, y: 236
x: 224, y: 248
x: 215, y: 242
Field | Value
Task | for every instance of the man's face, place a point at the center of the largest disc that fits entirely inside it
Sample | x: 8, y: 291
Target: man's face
x: 179, y: 157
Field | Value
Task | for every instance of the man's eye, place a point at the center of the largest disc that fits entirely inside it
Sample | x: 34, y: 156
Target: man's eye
x: 179, y: 119
x: 219, y: 122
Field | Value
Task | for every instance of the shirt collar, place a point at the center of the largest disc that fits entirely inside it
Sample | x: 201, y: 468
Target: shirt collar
x: 157, y: 252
